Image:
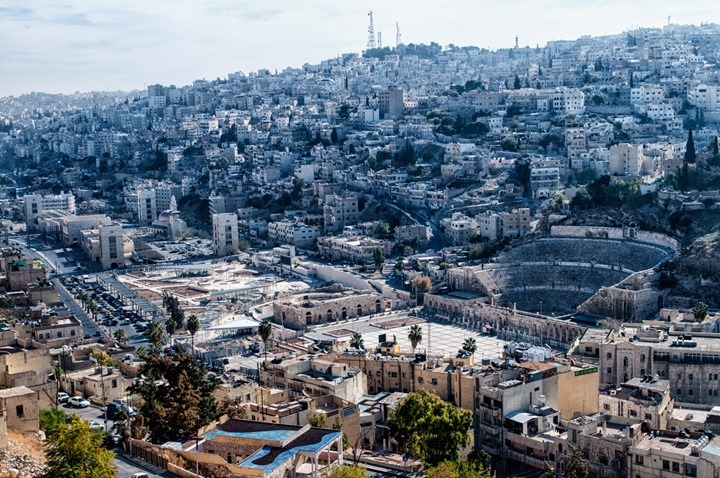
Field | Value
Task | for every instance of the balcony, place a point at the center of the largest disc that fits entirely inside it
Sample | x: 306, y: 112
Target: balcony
x: 530, y: 460
x: 490, y: 428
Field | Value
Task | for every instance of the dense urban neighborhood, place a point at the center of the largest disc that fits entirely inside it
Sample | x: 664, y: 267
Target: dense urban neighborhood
x: 421, y: 260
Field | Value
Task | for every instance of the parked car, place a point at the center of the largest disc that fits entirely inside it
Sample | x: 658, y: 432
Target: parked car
x: 96, y: 425
x: 78, y: 402
x: 117, y: 409
x: 63, y: 397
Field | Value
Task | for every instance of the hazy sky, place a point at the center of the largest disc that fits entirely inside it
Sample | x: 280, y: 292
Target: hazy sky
x: 67, y: 46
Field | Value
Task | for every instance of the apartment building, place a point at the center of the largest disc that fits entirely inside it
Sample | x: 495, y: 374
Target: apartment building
x: 459, y: 228
x: 391, y: 102
x: 225, y: 233
x: 340, y: 211
x: 293, y: 233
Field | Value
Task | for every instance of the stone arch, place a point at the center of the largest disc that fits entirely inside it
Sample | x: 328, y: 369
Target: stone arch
x: 329, y: 315
x: 308, y: 317
x: 359, y: 310
x: 344, y: 313
x: 378, y: 306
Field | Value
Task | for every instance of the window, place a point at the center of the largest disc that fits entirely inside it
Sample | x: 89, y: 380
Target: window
x: 609, y: 370
x: 609, y: 355
x: 690, y: 376
x: 679, y: 376
x: 633, y: 413
x: 638, y: 459
x: 588, y: 349
x: 690, y: 392
x: 606, y: 406
x: 20, y: 411
x: 675, y: 467
x: 690, y: 470
x: 625, y: 361
x: 114, y: 383
x: 421, y: 380
x: 666, y: 465
x: 642, y: 357
x: 72, y: 333
x: 679, y: 391
x: 434, y: 381
x: 648, y: 416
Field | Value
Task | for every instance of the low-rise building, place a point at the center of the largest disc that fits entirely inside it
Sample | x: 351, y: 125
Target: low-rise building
x: 353, y: 249
x: 293, y: 233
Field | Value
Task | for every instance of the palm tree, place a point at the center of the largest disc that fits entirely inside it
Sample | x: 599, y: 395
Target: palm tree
x: 155, y: 335
x: 121, y: 336
x: 265, y: 331
x: 470, y: 345
x: 170, y: 326
x: 356, y: 341
x: 700, y: 312
x: 193, y: 325
x: 415, y: 336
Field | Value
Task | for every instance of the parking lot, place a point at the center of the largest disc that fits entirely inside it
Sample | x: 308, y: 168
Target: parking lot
x: 111, y: 312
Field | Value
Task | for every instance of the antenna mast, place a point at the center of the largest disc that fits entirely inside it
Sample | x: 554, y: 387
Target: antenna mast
x: 398, y: 36
x: 371, y: 34
x: 379, y: 45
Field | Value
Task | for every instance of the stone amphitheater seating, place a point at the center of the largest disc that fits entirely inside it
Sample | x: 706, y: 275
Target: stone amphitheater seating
x: 548, y: 302
x: 574, y: 278
x: 635, y: 256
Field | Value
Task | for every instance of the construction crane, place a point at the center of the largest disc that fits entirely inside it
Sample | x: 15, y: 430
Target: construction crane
x: 371, y: 33
x: 398, y: 36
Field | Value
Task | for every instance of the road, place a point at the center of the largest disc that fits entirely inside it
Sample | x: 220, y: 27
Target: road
x: 89, y: 327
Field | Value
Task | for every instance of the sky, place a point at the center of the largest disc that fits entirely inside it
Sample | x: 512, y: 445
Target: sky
x: 59, y: 46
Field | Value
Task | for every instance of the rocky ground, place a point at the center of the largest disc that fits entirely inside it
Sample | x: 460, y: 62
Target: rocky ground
x: 25, y: 458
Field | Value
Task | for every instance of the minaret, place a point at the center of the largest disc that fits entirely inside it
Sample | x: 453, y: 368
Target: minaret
x: 516, y: 42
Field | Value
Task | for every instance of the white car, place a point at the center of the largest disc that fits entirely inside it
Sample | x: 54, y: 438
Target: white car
x: 78, y: 402
x: 63, y: 397
x: 96, y: 426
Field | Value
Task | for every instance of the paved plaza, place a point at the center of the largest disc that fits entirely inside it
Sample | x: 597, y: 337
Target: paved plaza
x: 438, y: 338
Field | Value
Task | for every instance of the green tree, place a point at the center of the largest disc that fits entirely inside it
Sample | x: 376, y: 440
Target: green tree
x: 103, y: 358
x: 516, y: 84
x: 415, y: 336
x: 429, y: 428
x: 356, y: 341
x: 170, y: 326
x: 155, y: 335
x: 243, y: 245
x: 120, y: 336
x: 460, y: 469
x: 378, y: 257
x: 298, y: 186
x: 193, y: 325
x: 317, y: 420
x: 690, y: 152
x: 75, y: 451
x: 477, y: 251
x: 700, y: 312
x: 51, y: 419
x: 265, y: 331
x: 176, y: 395
x: 574, y: 465
x: 348, y: 471
x: 470, y: 345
